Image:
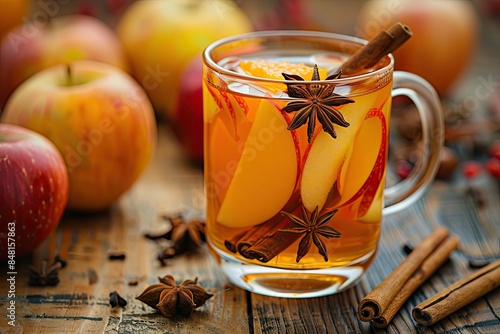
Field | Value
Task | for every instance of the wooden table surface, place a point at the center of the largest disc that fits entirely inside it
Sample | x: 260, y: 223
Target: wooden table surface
x: 80, y: 303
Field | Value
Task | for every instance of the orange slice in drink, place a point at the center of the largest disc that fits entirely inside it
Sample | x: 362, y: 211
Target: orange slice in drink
x: 273, y: 70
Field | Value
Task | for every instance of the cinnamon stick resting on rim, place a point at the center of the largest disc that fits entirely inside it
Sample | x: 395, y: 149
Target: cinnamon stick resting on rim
x: 382, y: 44
x: 380, y: 305
x: 458, y: 295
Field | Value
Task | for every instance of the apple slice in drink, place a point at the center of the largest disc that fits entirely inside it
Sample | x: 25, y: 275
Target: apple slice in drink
x: 372, y: 213
x: 363, y: 171
x: 327, y: 154
x: 223, y: 159
x: 266, y: 174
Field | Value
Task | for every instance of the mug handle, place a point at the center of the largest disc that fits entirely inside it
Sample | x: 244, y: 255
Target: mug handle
x: 408, y: 191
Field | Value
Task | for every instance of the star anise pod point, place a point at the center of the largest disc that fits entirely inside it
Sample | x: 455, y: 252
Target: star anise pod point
x: 317, y: 101
x: 313, y: 228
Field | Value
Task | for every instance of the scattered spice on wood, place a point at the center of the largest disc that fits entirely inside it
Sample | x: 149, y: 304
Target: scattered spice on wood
x: 116, y: 255
x: 172, y: 299
x: 61, y: 260
x: 46, y: 275
x: 478, y: 263
x: 382, y: 303
x: 407, y: 249
x: 476, y: 195
x: 163, y: 234
x: 92, y: 275
x: 116, y: 300
x: 458, y: 295
x: 169, y: 252
x: 133, y: 282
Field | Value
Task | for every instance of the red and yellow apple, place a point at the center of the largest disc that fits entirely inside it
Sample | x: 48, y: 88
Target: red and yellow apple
x: 12, y: 14
x: 101, y: 121
x: 33, y: 191
x: 32, y: 47
x: 444, y: 36
x: 161, y: 37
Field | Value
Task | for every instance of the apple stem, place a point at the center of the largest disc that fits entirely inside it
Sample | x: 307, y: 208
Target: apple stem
x: 69, y: 75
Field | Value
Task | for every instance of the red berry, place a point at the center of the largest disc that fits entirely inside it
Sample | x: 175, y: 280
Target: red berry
x: 403, y: 168
x: 471, y: 169
x: 493, y: 167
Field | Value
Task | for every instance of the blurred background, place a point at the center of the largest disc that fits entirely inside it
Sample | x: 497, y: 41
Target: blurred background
x: 456, y: 47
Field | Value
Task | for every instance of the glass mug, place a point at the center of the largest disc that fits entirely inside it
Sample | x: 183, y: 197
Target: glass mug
x: 294, y: 208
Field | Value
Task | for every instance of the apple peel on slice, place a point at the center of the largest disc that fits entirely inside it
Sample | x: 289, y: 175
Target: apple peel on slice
x: 363, y: 156
x: 363, y: 172
x: 266, y: 174
x: 231, y: 109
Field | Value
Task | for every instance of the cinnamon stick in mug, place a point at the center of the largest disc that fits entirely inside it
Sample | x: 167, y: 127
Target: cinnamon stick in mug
x: 382, y: 44
x: 378, y: 300
x: 458, y: 295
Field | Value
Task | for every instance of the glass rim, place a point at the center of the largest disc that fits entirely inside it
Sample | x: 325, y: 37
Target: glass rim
x: 207, y: 59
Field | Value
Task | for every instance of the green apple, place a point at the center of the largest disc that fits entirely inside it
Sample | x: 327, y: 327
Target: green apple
x: 101, y: 121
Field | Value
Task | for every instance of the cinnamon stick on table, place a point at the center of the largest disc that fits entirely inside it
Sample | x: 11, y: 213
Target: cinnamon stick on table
x: 383, y: 43
x: 428, y: 267
x: 405, y: 277
x: 458, y: 295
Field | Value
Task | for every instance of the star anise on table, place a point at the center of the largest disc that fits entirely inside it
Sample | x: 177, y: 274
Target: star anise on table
x: 184, y: 234
x: 172, y: 299
x: 318, y: 101
x: 314, y: 228
x: 187, y: 231
x: 45, y: 275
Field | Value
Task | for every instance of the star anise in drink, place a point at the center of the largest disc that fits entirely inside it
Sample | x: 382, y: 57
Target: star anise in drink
x: 172, y: 299
x: 317, y: 101
x: 313, y: 228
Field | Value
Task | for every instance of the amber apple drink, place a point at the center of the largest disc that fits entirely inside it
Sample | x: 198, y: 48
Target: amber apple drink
x: 295, y: 161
